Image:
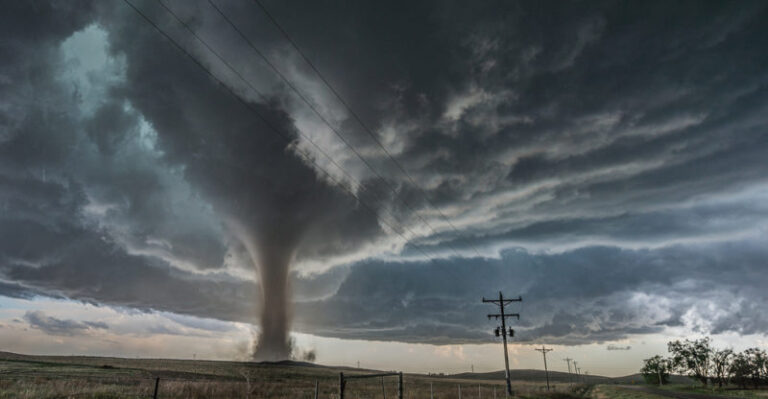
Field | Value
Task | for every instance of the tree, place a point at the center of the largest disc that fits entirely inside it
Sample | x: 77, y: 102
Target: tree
x: 692, y: 357
x: 758, y: 360
x: 721, y: 368
x: 741, y: 369
x: 655, y: 368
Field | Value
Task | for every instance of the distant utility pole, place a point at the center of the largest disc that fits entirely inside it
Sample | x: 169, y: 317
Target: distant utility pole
x: 503, y: 316
x: 576, y: 370
x: 568, y: 360
x: 544, y: 351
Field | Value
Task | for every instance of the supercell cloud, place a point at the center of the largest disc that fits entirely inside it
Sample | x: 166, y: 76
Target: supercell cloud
x: 606, y: 161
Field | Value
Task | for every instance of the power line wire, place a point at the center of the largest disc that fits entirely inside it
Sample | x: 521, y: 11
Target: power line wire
x: 264, y: 98
x: 265, y: 120
x: 355, y: 116
x: 322, y: 118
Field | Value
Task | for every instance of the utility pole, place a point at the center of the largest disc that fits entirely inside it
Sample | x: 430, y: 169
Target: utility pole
x: 658, y: 368
x: 576, y: 370
x: 568, y: 360
x: 500, y: 303
x: 544, y: 351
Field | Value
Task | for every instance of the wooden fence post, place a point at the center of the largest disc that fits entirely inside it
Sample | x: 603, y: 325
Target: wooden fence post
x: 341, y: 385
x: 157, y: 385
x: 317, y: 388
x: 383, y: 393
x: 400, y: 385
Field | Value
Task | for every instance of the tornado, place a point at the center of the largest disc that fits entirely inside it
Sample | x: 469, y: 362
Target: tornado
x: 275, y: 311
x: 272, y: 252
x: 274, y: 205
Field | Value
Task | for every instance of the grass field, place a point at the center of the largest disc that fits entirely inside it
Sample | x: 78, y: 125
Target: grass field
x: 24, y: 376
x: 623, y: 392
x: 729, y: 391
x: 616, y: 392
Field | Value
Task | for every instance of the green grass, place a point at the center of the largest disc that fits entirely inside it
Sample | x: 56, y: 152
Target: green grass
x: 730, y: 391
x: 616, y: 392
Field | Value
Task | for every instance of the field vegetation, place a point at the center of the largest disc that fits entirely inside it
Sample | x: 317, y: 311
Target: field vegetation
x: 24, y: 376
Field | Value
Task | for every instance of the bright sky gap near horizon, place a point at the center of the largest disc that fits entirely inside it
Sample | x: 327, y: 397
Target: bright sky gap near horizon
x: 607, y: 161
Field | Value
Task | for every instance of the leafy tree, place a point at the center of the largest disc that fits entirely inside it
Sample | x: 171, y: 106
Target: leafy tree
x: 721, y: 367
x: 758, y: 360
x: 654, y: 368
x: 692, y: 357
x: 741, y: 369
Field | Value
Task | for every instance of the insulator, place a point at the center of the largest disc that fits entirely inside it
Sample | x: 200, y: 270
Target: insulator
x: 511, y: 332
x: 497, y: 332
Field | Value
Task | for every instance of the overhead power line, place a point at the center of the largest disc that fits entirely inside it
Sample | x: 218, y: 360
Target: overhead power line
x: 325, y: 121
x: 265, y: 120
x: 357, y: 118
x: 264, y: 98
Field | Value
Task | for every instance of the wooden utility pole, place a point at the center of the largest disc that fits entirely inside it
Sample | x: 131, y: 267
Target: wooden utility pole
x: 568, y: 360
x: 544, y: 351
x: 500, y: 303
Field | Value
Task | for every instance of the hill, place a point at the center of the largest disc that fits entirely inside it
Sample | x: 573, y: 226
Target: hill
x: 531, y: 375
x: 637, y: 379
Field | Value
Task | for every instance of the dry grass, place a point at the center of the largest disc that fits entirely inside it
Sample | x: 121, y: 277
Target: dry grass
x: 89, y: 377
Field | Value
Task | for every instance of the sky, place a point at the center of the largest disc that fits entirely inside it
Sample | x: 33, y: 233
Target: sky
x: 161, y: 185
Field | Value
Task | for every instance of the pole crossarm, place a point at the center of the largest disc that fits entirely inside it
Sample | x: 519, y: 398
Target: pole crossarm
x: 497, y: 315
x: 505, y: 301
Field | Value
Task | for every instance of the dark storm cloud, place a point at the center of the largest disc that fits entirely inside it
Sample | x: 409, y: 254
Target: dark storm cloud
x: 618, y: 147
x: 51, y: 325
x: 593, y: 294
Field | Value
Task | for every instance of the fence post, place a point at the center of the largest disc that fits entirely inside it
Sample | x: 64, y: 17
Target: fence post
x: 400, y: 385
x: 430, y: 391
x: 317, y: 388
x: 459, y: 391
x: 383, y: 393
x: 341, y: 385
x: 157, y: 385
